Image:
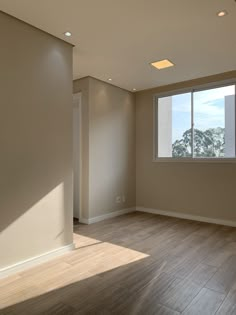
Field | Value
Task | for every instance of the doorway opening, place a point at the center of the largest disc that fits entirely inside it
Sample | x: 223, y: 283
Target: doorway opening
x: 76, y: 155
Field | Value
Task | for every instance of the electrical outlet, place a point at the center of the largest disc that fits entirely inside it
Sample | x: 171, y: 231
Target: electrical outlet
x: 124, y: 198
x: 118, y: 199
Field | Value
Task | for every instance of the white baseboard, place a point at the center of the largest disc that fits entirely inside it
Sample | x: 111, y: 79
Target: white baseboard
x: 187, y: 216
x: 107, y: 216
x: 57, y: 252
x: 84, y: 221
x: 35, y: 260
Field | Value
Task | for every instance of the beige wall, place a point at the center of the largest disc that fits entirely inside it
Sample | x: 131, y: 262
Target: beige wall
x: 194, y: 188
x: 35, y: 142
x: 108, y: 126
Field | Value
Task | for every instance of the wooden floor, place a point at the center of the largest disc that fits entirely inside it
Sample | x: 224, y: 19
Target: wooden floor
x: 133, y: 264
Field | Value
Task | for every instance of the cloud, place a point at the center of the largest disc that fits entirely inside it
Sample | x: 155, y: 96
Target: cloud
x: 209, y: 109
x: 204, y: 101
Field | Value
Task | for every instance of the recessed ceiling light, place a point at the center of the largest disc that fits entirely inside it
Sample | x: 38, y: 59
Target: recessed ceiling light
x: 222, y: 13
x: 68, y: 34
x: 109, y: 79
x: 162, y: 64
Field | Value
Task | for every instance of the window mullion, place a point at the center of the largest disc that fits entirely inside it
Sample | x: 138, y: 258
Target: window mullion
x: 192, y: 124
x: 235, y: 120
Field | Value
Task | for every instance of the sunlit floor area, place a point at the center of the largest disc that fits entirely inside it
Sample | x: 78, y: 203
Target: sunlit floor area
x: 133, y: 264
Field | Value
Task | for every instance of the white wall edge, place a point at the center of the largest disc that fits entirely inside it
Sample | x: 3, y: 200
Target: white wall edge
x: 109, y: 215
x: 31, y: 262
x: 187, y: 216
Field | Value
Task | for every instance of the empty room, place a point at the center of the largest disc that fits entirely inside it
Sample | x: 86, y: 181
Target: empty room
x: 117, y: 157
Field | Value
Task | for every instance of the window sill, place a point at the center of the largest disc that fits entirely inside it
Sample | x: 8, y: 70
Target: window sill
x: 195, y: 160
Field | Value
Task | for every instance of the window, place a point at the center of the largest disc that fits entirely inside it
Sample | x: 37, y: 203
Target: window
x: 199, y: 124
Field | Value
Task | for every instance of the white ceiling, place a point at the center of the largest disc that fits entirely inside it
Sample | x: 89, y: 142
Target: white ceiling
x: 119, y: 38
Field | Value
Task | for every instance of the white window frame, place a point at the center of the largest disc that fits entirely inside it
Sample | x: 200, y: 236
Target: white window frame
x: 191, y: 90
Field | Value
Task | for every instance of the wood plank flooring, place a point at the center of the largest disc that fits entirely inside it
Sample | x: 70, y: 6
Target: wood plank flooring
x: 133, y: 264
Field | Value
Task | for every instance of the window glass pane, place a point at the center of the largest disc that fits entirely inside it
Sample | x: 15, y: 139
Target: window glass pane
x: 214, y: 122
x: 174, y: 126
